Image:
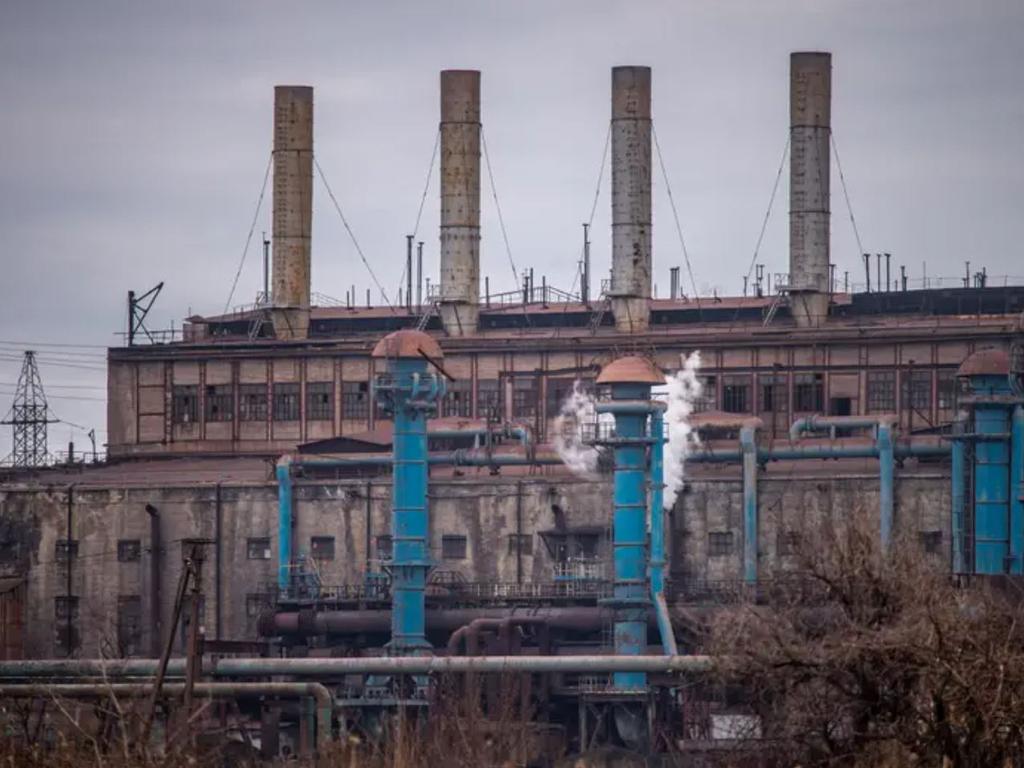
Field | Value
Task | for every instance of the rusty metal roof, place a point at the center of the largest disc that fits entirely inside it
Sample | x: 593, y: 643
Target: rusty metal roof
x: 408, y: 343
x: 986, y: 362
x: 630, y: 370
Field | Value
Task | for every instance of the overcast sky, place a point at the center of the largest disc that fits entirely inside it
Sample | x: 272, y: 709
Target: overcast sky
x: 133, y: 142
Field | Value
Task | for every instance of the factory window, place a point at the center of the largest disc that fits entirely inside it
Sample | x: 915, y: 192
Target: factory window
x: 520, y: 543
x: 881, y: 391
x: 128, y: 550
x: 65, y: 608
x: 286, y: 402
x: 252, y: 402
x: 720, y: 543
x: 384, y: 548
x: 220, y: 403
x: 255, y: 603
x: 458, y: 400
x: 773, y: 393
x: 319, y: 401
x: 931, y: 542
x: 65, y: 550
x: 258, y: 548
x: 489, y: 400
x: 559, y: 391
x: 708, y: 400
x: 524, y: 397
x: 185, y: 404
x: 321, y: 547
x: 917, y: 390
x: 736, y: 394
x: 808, y: 392
x: 946, y: 389
x: 788, y: 543
x: 453, y: 547
x: 355, y: 400
x: 129, y: 625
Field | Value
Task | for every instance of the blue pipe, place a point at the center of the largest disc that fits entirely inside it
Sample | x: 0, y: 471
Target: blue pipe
x: 992, y: 462
x: 1017, y: 491
x: 958, y: 472
x: 657, y: 560
x: 628, y: 531
x: 796, y: 452
x: 748, y: 446
x: 284, y: 523
x: 886, y: 483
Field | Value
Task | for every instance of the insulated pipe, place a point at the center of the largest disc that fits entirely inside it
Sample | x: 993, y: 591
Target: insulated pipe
x: 1017, y: 491
x: 886, y: 484
x: 376, y: 665
x: 810, y: 152
x: 460, y: 201
x: 830, y: 451
x: 819, y: 423
x: 631, y: 198
x: 748, y: 447
x: 284, y: 523
x: 656, y: 565
x: 474, y: 627
x: 316, y: 691
x: 292, y: 209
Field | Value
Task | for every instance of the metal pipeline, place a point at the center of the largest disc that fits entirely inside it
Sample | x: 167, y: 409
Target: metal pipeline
x: 376, y: 665
x: 820, y: 423
x: 656, y: 565
x: 959, y: 496
x: 829, y: 451
x: 471, y: 632
x: 284, y: 522
x: 315, y: 691
x: 748, y: 448
x: 1017, y: 490
x: 886, y: 483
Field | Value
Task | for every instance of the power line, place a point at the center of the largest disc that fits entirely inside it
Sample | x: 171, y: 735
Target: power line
x: 768, y: 212
x: 252, y: 228
x: 423, y: 200
x: 846, y: 195
x: 351, y: 234
x: 675, y: 215
x: 497, y: 205
x: 33, y: 344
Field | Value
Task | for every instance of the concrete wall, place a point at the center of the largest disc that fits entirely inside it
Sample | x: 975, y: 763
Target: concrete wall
x: 487, y: 511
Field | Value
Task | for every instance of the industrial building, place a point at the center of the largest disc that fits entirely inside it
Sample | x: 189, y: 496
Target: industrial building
x: 368, y: 481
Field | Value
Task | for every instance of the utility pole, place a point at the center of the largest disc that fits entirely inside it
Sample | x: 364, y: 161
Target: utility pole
x: 29, y: 416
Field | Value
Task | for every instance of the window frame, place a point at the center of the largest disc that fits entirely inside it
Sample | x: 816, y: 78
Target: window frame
x: 737, y: 386
x: 185, y: 404
x: 808, y: 387
x: 355, y: 400
x: 252, y: 402
x: 287, y: 406
x: 319, y: 401
x: 257, y: 548
x: 460, y: 544
x: 129, y: 550
x: 219, y: 403
x: 721, y: 543
x: 322, y: 548
x: 880, y: 391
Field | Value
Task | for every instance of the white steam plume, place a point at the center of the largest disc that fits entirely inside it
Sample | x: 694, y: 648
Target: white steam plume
x: 684, y: 389
x: 577, y: 410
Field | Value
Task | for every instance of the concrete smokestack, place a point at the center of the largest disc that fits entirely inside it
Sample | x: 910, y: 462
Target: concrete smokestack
x: 293, y: 209
x: 810, y: 121
x: 460, y: 201
x: 631, y: 197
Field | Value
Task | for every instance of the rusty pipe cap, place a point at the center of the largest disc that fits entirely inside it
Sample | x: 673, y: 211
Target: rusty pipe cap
x: 408, y: 343
x: 631, y: 370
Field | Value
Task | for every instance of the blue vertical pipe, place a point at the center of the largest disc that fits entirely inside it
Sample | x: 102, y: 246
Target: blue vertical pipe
x: 748, y: 446
x: 284, y: 523
x: 1017, y: 491
x: 958, y: 471
x: 409, y: 393
x: 886, y: 480
x: 628, y: 531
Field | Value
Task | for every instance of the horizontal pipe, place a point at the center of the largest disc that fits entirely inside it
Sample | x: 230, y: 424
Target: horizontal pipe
x: 833, y: 451
x: 459, y: 458
x: 376, y: 665
x: 316, y: 691
x: 818, y: 423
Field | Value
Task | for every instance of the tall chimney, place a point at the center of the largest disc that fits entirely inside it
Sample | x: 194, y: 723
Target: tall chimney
x: 293, y: 209
x: 460, y: 201
x: 810, y: 126
x: 631, y: 197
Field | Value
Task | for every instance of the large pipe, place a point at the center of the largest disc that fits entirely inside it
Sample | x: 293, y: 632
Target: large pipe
x: 631, y: 197
x: 284, y: 522
x: 470, y: 633
x: 656, y: 565
x: 375, y: 665
x: 819, y: 423
x: 748, y: 447
x: 826, y: 451
x: 315, y: 691
x: 460, y: 201
x: 1017, y: 491
x: 293, y: 209
x: 886, y: 484
x: 958, y: 470
x: 810, y: 117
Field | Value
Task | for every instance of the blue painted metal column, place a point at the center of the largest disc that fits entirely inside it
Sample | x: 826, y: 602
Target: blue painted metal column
x: 408, y: 393
x: 958, y: 470
x: 991, y: 436
x: 1017, y: 490
x: 656, y: 567
x: 748, y: 446
x: 284, y: 523
x: 886, y: 483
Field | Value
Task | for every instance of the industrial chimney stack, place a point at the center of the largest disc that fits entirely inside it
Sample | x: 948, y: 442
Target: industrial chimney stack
x: 810, y: 118
x: 293, y: 209
x: 631, y: 198
x: 460, y: 201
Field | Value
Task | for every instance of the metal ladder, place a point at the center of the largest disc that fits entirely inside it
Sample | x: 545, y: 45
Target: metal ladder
x: 432, y: 308
x: 780, y: 299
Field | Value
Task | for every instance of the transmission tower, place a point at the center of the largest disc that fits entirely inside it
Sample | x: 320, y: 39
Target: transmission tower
x: 28, y: 417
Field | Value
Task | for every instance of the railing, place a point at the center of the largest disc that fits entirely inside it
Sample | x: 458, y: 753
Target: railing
x: 580, y: 570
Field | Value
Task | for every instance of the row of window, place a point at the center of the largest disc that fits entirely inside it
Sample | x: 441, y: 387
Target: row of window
x: 284, y: 403
x: 453, y: 547
x: 809, y: 392
x: 720, y: 543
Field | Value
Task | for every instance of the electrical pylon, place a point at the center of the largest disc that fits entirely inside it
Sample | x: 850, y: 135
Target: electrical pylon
x: 29, y: 417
